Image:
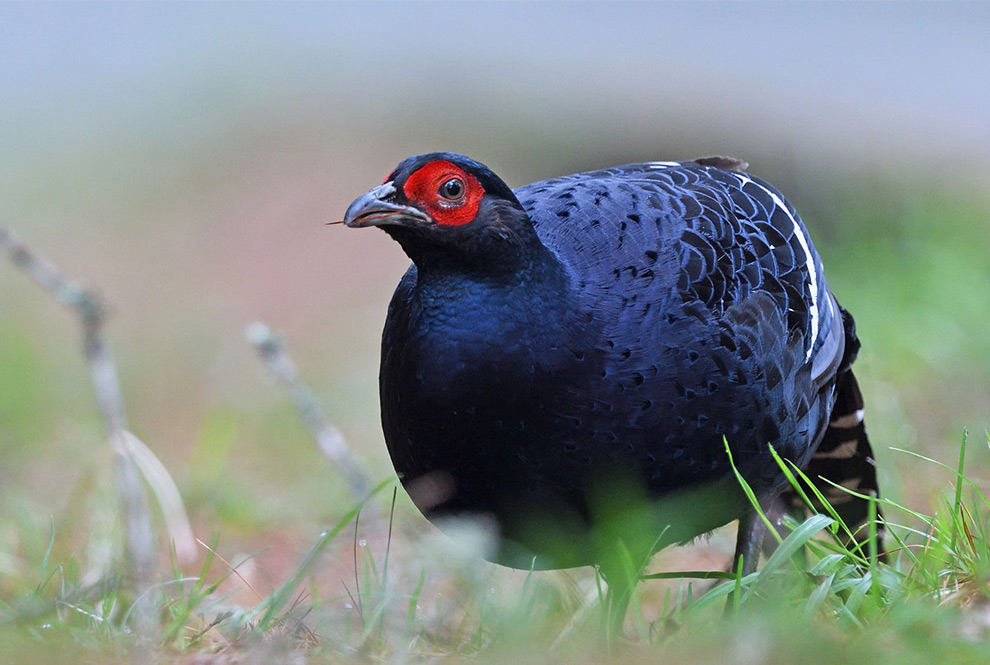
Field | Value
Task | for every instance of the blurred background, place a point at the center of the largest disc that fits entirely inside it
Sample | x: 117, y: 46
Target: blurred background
x: 182, y: 159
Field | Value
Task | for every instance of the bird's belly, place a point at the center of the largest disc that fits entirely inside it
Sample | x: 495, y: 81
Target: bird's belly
x: 545, y: 428
x: 541, y: 452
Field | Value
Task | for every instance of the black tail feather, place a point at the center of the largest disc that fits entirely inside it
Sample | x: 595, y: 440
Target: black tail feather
x: 845, y: 458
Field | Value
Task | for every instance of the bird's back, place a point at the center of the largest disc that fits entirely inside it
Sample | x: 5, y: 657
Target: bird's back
x: 688, y: 231
x: 710, y: 314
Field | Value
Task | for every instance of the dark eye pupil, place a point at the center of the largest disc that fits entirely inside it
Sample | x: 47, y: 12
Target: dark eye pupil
x: 452, y: 189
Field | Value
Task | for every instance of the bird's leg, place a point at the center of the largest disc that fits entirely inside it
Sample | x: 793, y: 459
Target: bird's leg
x: 783, y: 506
x: 749, y: 541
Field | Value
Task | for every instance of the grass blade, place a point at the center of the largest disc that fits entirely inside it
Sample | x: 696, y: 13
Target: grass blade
x: 957, y: 499
x: 795, y: 541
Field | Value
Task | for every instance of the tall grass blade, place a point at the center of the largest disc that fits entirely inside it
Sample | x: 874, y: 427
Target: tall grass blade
x: 750, y: 494
x: 691, y: 574
x: 873, y: 542
x: 957, y: 499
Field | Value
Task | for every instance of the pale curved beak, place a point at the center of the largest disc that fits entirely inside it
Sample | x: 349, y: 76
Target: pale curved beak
x: 376, y: 209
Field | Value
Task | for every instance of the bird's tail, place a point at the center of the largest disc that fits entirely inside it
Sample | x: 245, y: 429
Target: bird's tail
x: 845, y: 460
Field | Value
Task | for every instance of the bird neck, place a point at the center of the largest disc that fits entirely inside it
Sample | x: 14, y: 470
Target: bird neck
x: 501, y: 243
x: 504, y: 248
x: 528, y: 282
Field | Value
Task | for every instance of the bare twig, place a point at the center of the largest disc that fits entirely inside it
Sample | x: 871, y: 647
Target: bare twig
x: 92, y: 313
x: 167, y: 495
x: 330, y: 440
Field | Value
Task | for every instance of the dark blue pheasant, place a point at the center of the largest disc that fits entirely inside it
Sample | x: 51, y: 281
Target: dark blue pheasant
x: 554, y: 346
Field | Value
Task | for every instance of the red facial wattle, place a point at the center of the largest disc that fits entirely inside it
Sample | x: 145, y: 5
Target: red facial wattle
x: 423, y: 187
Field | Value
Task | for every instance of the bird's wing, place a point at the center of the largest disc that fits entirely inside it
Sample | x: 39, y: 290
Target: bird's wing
x: 711, y: 233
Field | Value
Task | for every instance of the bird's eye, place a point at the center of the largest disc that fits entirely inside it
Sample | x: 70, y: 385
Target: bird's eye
x: 453, y: 189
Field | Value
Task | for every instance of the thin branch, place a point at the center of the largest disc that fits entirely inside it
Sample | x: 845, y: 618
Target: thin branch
x: 92, y: 313
x: 330, y: 440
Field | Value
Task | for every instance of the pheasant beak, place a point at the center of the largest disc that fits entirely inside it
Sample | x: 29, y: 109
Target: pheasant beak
x: 376, y: 209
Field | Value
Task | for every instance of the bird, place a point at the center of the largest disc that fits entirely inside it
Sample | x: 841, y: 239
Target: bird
x: 611, y: 348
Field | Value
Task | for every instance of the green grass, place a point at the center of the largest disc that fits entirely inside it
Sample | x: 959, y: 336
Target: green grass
x: 812, y: 600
